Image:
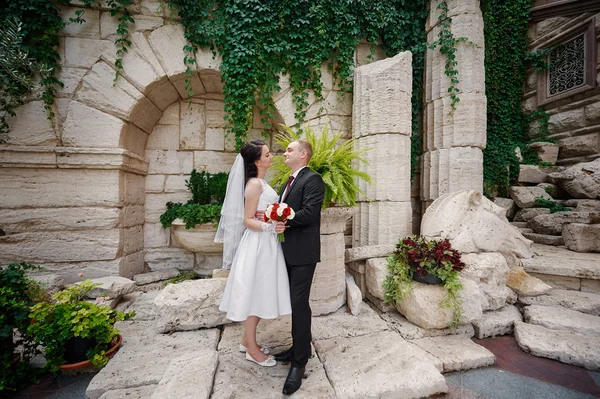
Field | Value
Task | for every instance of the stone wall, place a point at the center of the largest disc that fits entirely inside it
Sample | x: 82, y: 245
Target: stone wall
x: 574, y: 120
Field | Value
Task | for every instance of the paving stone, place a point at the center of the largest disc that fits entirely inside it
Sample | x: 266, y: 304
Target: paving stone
x: 562, y: 262
x: 380, y: 365
x: 559, y: 318
x: 142, y: 392
x: 344, y: 324
x: 585, y: 302
x: 353, y: 295
x: 565, y: 346
x: 497, y: 322
x: 144, y: 306
x: 456, y: 353
x: 273, y: 334
x: 188, y: 376
x: 410, y: 331
x: 152, y: 277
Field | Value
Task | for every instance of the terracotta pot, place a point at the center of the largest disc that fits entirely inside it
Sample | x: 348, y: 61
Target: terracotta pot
x: 200, y: 238
x: 87, y: 363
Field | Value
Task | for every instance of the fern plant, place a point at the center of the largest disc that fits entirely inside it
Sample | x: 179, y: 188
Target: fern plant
x: 335, y: 160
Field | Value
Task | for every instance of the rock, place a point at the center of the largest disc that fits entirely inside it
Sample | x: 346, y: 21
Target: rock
x: 565, y: 346
x: 353, y: 295
x: 525, y: 196
x: 144, y: 306
x: 369, y: 251
x: 559, y: 318
x: 375, y: 274
x: 523, y: 284
x: 423, y: 305
x: 153, y: 277
x: 553, y: 223
x: 520, y: 225
x: 490, y: 272
x: 581, y: 180
x: 583, y: 205
x: 563, y: 262
x: 497, y: 322
x: 220, y: 273
x: 547, y: 152
x: 508, y: 205
x: 531, y: 174
x: 130, y: 393
x: 456, y: 353
x: 112, y: 287
x: 410, y: 331
x: 545, y: 239
x: 188, y: 376
x: 344, y: 324
x: 190, y: 305
x: 51, y: 283
x: 388, y: 366
x: 582, y: 237
x: 585, y: 302
x: 474, y: 224
x: 554, y: 190
x: 579, y: 146
x: 525, y: 215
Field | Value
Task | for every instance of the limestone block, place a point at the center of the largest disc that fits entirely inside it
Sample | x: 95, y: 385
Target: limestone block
x: 508, y: 205
x: 524, y: 284
x: 565, y: 346
x: 559, y: 318
x: 168, y: 258
x: 170, y: 115
x: 60, y: 246
x: 382, y: 91
x: 525, y: 215
x: 111, y: 287
x: 548, y: 25
x: 554, y: 190
x: 70, y: 78
x: 592, y: 286
x: 129, y: 393
x: 382, y: 222
x: 170, y: 162
x: 581, y: 180
x: 55, y: 188
x: 490, y: 272
x: 51, y: 283
x: 579, y: 145
x: 410, y: 331
x: 213, y: 161
x: 151, y: 7
x: 545, y: 239
x: 176, y: 184
x: 109, y: 24
x: 567, y: 120
x: 133, y: 189
x: 531, y: 174
x: 31, y: 126
x: 163, y: 137
x: 456, y: 353
x: 343, y: 324
x: 553, y: 223
x: 188, y: 376
x: 134, y: 215
x: 334, y: 219
x: 592, y: 112
x: 450, y: 170
x: 156, y: 276
x: 585, y: 302
x: 562, y: 262
x: 89, y: 29
x: 582, y: 237
x: 215, y: 114
x: 376, y: 272
x: 53, y: 219
x: 122, y: 100
x: 215, y: 138
x: 388, y: 366
x: 192, y: 127
x: 561, y: 282
x: 525, y: 196
x: 133, y: 240
x: 497, y: 322
x: 366, y: 252
x: 190, y: 305
x: 220, y: 273
x: 328, y: 290
x: 90, y: 127
x: 583, y: 205
x: 80, y: 52
x: 353, y: 295
x: 423, y: 307
x: 363, y: 54
x: 547, y: 152
x: 473, y: 223
x: 156, y: 204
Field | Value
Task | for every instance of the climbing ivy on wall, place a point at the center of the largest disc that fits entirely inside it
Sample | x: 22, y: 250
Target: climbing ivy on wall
x: 506, y: 57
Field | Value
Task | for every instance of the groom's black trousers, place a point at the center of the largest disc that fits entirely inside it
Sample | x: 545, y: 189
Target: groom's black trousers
x: 300, y: 277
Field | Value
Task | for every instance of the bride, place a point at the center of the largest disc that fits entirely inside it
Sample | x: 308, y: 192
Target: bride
x: 257, y: 287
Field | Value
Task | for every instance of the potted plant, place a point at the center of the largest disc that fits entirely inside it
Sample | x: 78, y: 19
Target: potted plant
x: 18, y: 293
x: 72, y: 329
x: 193, y: 223
x: 337, y: 162
x: 417, y: 258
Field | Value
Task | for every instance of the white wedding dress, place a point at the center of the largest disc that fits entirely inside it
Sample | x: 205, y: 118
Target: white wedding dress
x: 258, y: 282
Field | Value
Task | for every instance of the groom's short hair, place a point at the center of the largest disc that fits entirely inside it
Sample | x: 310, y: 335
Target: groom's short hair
x: 305, y: 146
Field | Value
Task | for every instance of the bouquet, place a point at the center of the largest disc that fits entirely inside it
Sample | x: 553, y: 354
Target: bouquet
x: 279, y: 213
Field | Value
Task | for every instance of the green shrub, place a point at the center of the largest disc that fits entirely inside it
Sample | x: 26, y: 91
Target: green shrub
x: 553, y: 206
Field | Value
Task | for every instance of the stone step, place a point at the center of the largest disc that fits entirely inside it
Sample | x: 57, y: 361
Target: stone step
x: 520, y: 225
x: 456, y: 352
x: 525, y: 230
x: 544, y: 239
x: 565, y: 346
x: 497, y: 322
x: 559, y: 318
x: 585, y: 302
x: 559, y: 261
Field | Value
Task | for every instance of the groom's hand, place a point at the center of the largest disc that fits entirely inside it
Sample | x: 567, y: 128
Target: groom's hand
x: 260, y: 215
x: 280, y: 227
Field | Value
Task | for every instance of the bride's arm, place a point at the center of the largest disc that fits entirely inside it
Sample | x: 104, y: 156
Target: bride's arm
x: 253, y: 191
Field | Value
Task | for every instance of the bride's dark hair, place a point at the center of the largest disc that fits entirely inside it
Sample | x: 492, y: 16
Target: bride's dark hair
x: 251, y: 153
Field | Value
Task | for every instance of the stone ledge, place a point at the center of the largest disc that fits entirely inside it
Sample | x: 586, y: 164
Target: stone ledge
x: 563, y: 262
x: 370, y: 251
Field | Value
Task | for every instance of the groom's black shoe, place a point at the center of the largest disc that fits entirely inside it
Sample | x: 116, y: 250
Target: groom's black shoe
x: 284, y: 356
x: 293, y: 380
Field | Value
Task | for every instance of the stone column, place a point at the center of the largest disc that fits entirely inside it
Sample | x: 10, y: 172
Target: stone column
x: 381, y: 122
x: 453, y: 141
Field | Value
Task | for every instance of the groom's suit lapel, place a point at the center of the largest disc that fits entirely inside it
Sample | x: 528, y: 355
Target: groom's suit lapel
x: 294, y: 184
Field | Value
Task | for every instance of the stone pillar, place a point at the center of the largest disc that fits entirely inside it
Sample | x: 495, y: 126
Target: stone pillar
x: 381, y: 122
x: 453, y: 141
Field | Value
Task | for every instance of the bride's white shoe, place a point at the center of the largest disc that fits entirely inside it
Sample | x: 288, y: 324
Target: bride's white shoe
x: 266, y: 351
x: 270, y: 362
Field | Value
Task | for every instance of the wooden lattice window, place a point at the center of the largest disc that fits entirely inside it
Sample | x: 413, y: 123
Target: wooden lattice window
x: 571, y: 65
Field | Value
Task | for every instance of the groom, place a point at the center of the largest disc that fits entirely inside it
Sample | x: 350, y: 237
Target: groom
x: 304, y: 193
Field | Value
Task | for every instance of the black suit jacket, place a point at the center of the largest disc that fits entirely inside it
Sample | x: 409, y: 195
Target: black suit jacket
x: 302, y: 245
